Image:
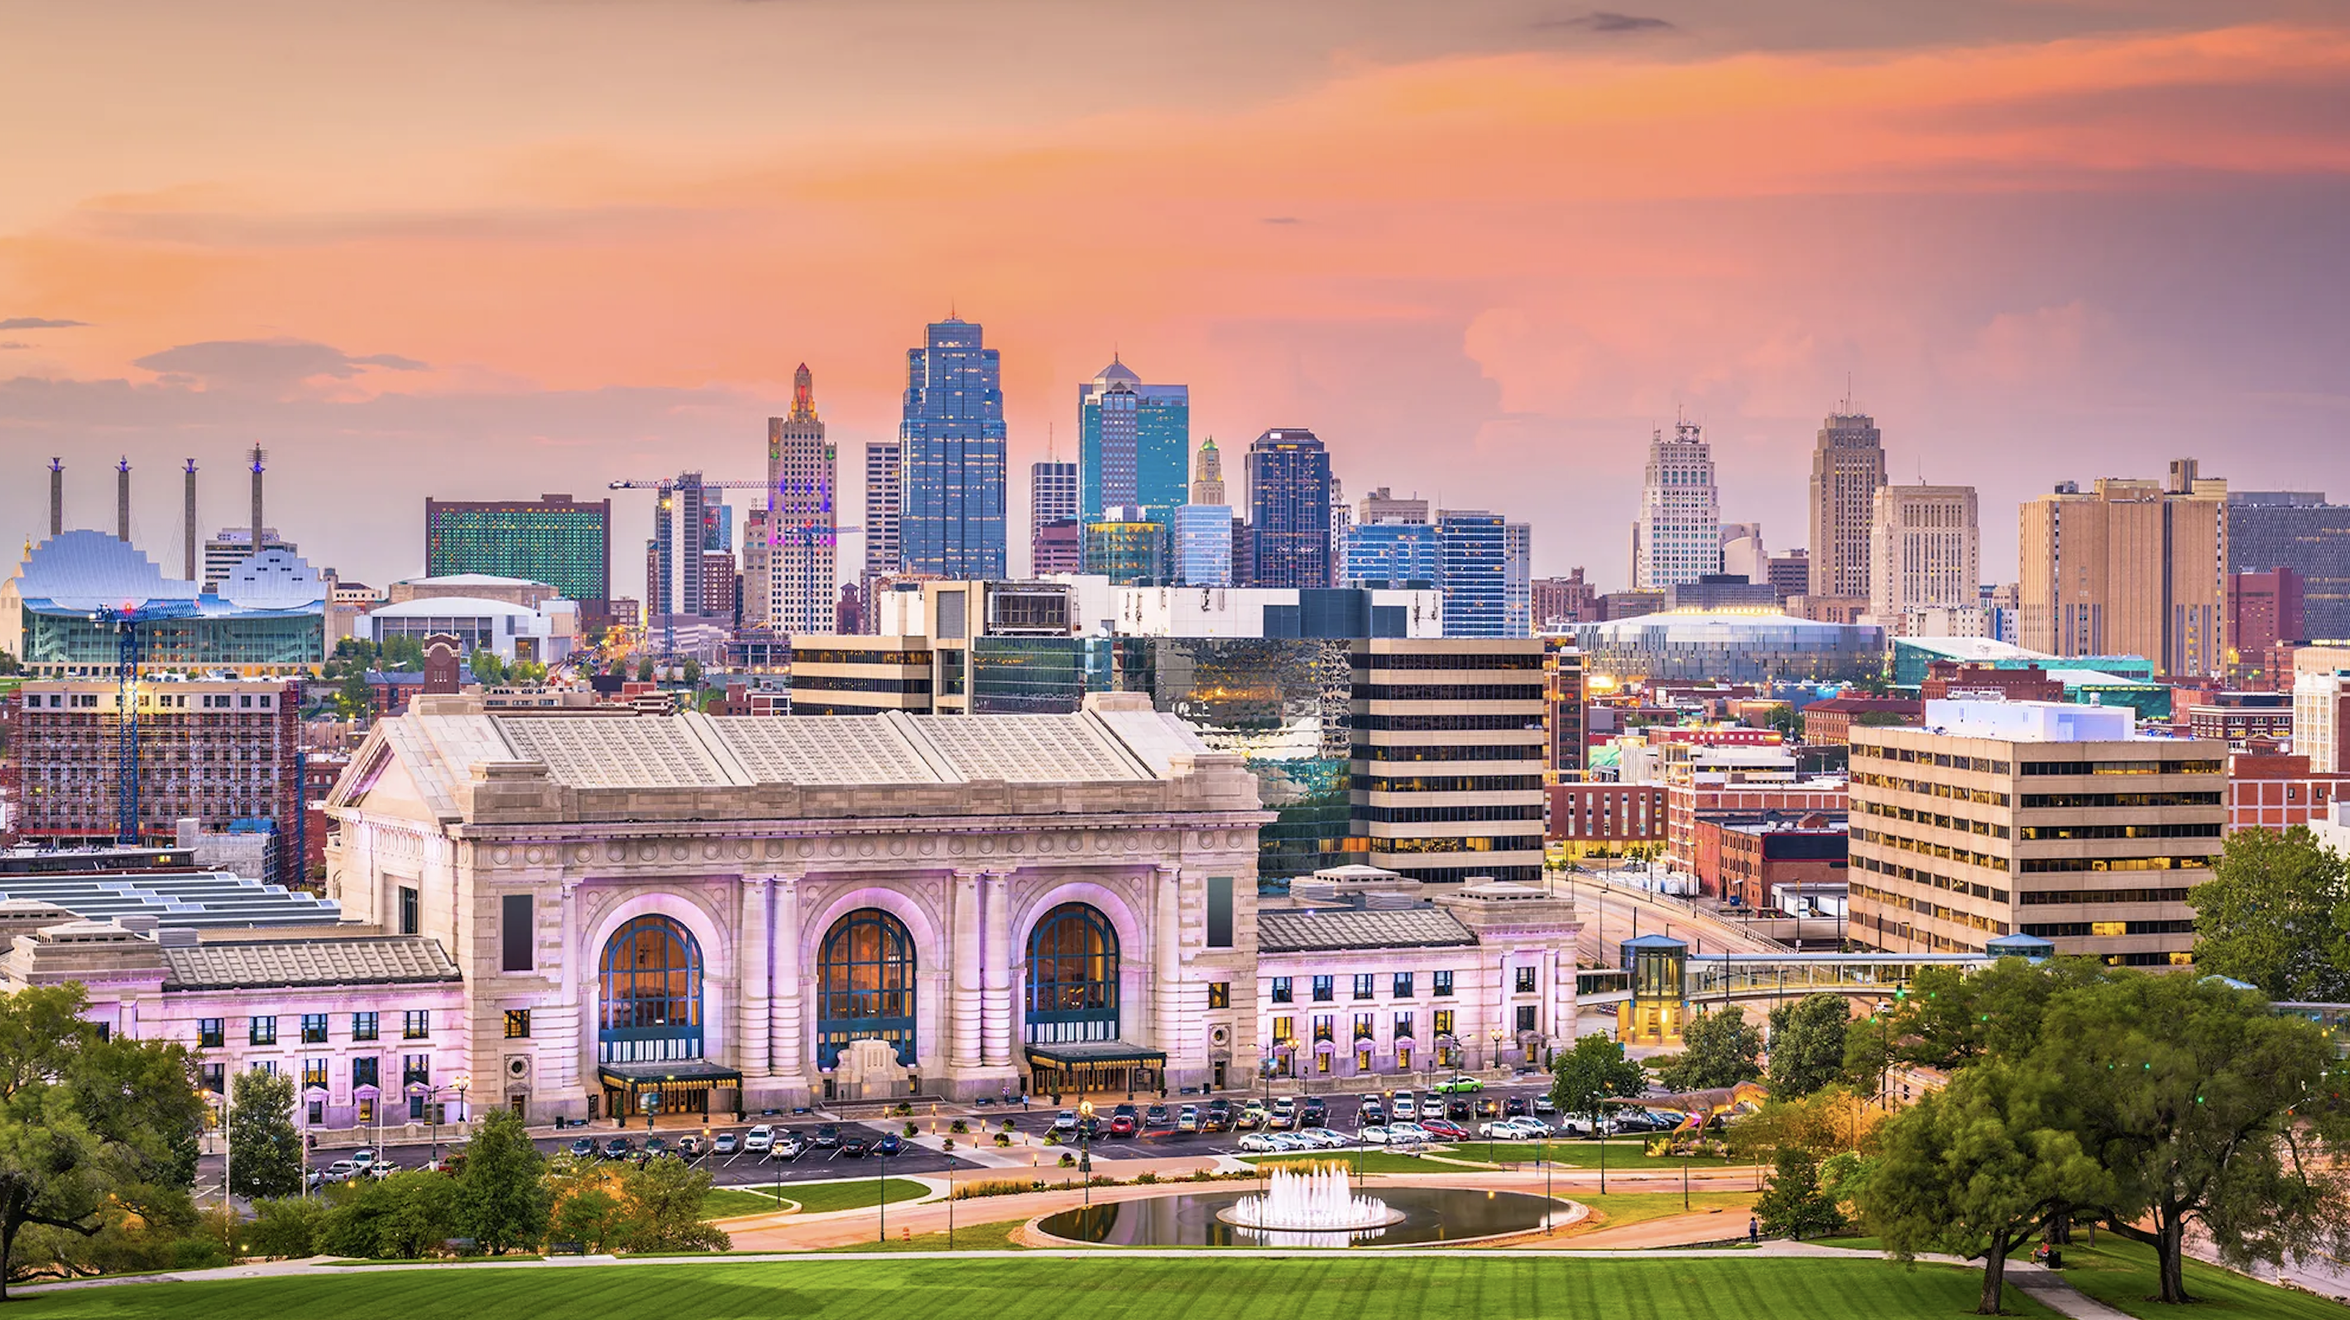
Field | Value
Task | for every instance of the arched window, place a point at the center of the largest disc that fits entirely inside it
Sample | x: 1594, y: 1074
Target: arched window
x: 652, y: 1000
x: 865, y: 985
x: 1072, y: 977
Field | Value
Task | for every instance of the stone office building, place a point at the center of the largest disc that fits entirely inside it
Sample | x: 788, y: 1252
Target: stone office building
x: 690, y: 913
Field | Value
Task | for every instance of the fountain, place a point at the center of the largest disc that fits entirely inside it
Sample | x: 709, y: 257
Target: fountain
x: 1313, y: 1200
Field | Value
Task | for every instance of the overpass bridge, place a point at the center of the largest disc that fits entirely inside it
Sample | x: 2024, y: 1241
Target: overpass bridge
x: 1665, y: 983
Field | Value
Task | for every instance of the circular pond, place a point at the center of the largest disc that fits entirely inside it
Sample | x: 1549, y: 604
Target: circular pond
x: 1195, y: 1219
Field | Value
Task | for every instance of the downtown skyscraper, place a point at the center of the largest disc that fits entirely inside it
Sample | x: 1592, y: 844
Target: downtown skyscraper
x: 1678, y: 536
x: 952, y: 464
x: 791, y: 576
x: 1133, y: 443
x: 1289, y: 509
x: 1052, y: 517
x: 1847, y: 471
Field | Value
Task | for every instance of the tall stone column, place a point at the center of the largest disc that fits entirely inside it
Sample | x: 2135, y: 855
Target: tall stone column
x: 787, y: 1028
x: 1167, y: 960
x: 752, y: 1009
x: 964, y: 1052
x: 575, y: 1000
x: 996, y: 978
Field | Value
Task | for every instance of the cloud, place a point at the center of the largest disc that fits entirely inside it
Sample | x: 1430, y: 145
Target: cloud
x: 264, y: 365
x: 1283, y: 220
x: 1601, y: 20
x: 37, y: 323
x: 6, y: 344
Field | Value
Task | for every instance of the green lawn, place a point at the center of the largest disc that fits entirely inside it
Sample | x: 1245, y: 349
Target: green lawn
x: 1345, y: 1286
x: 1618, y: 1209
x: 1626, y: 1155
x: 2120, y: 1273
x: 968, y: 1237
x: 812, y: 1198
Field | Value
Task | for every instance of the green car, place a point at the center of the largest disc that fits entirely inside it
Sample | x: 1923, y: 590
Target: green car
x: 1459, y: 1086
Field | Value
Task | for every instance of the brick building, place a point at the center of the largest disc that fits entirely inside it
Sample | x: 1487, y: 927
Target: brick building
x: 1605, y: 819
x: 2278, y: 792
x: 1829, y: 723
x: 1741, y: 856
x: 1952, y: 679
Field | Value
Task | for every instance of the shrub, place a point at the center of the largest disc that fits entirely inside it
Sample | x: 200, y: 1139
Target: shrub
x: 958, y: 1126
x: 1003, y: 1138
x: 1145, y: 1178
x: 909, y: 1130
x: 287, y: 1227
x: 1068, y: 1161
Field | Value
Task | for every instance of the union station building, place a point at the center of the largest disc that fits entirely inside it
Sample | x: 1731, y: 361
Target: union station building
x: 604, y: 916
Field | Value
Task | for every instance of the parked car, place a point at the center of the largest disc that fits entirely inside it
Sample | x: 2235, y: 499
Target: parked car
x: 1370, y: 1112
x: 1459, y: 1085
x: 1406, y: 1108
x: 1187, y: 1119
x: 1314, y: 1113
x: 890, y: 1144
x: 1534, y: 1128
x: 788, y: 1146
x: 1459, y: 1107
x: 364, y: 1157
x: 583, y: 1148
x: 1257, y: 1143
x: 1374, y: 1135
x: 1324, y: 1137
x: 340, y: 1171
x: 619, y: 1148
x: 1252, y: 1115
x: 758, y: 1139
x: 828, y: 1137
x: 1515, y: 1106
x: 1500, y: 1129
x: 1217, y: 1117
x: 1407, y: 1134
x: 656, y: 1147
x: 1123, y: 1125
x: 1157, y: 1119
x: 855, y: 1148
x: 1543, y: 1105
x: 1443, y: 1129
x: 1284, y: 1112
x: 1065, y: 1122
x: 726, y: 1143
x: 1489, y: 1108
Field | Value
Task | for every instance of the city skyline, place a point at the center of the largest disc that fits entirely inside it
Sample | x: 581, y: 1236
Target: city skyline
x: 1963, y: 235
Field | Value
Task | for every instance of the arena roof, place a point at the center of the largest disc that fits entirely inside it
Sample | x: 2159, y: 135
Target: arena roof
x: 203, y: 899
x: 244, y: 964
x: 1289, y: 931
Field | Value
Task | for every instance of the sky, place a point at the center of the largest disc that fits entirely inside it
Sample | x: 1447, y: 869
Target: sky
x: 507, y: 247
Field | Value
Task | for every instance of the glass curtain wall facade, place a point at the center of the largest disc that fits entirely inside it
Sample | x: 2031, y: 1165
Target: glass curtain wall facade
x: 554, y: 539
x: 1289, y: 509
x: 2268, y: 530
x: 952, y: 472
x: 1203, y: 545
x: 1474, y: 545
x: 1134, y: 443
x: 1392, y: 552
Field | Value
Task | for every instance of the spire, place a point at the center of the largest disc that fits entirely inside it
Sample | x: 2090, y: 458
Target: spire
x: 803, y: 395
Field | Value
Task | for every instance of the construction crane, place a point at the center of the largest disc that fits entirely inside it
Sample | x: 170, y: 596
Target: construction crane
x: 664, y: 492
x: 129, y: 622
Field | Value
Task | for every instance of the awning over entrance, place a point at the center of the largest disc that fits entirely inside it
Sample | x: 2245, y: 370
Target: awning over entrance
x: 1096, y: 1065
x: 679, y: 1086
x: 678, y: 1070
x: 1095, y: 1053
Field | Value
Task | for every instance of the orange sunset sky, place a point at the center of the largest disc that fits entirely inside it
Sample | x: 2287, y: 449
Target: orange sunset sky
x: 514, y: 246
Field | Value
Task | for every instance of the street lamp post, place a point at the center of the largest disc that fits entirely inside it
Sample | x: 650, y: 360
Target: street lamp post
x: 881, y: 1191
x: 1085, y: 1149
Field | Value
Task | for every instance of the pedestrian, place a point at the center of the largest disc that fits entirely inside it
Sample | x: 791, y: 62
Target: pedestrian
x: 1753, y: 1230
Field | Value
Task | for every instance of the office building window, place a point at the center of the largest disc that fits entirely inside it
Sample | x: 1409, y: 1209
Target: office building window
x: 263, y: 1031
x: 1281, y: 993
x: 1362, y: 1026
x: 416, y: 1070
x: 1525, y: 980
x: 1325, y: 989
x: 1284, y: 1030
x: 409, y: 916
x: 515, y: 933
x: 1219, y: 912
x: 216, y: 1078
x: 313, y: 1073
x: 1403, y: 1026
x: 1444, y: 1022
x: 1443, y: 983
x: 314, y: 1028
x: 1325, y: 1027
x: 1526, y: 1017
x: 1365, y: 985
x: 415, y: 1024
x: 363, y: 1026
x: 518, y: 1024
x: 1403, y: 985
x: 210, y: 1033
x: 1219, y: 994
x: 363, y: 1071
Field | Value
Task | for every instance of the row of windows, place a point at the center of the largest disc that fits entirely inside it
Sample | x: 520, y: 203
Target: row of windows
x: 2059, y: 930
x: 1384, y: 660
x: 823, y: 657
x: 2211, y: 799
x: 2123, y: 767
x: 1989, y: 829
x: 2044, y: 865
x: 837, y: 683
x: 1446, y: 815
x: 1446, y: 723
x: 1906, y: 903
x: 212, y: 1033
x: 1325, y: 1025
x: 2068, y: 897
x: 1987, y: 861
x: 1447, y: 692
x: 1325, y: 988
x: 1989, y: 797
x: 1449, y: 783
x: 1467, y: 843
x: 1982, y: 765
x: 1916, y: 875
x: 1517, y: 751
x: 415, y: 1070
x: 2162, y: 830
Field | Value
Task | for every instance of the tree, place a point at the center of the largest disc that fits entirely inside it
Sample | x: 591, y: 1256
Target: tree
x: 506, y: 1196
x: 398, y: 1218
x: 2206, y: 1106
x: 354, y: 697
x: 593, y: 1217
x: 1807, y: 1044
x: 1828, y: 1120
x: 87, y: 1125
x: 1978, y: 1168
x: 288, y: 1227
x: 693, y: 672
x: 2276, y: 913
x: 488, y: 669
x: 1717, y: 1049
x: 1946, y: 1017
x: 644, y: 669
x: 1591, y: 1072
x: 265, y: 1152
x: 1793, y: 1202
x: 665, y: 1199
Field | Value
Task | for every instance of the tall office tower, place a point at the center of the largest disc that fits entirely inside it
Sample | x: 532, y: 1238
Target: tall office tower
x: 953, y: 471
x: 1289, y: 509
x: 2263, y: 610
x: 1058, y: 547
x: 1742, y: 552
x: 1448, y: 754
x: 234, y: 545
x: 683, y: 528
x: 2272, y: 529
x: 1342, y: 520
x: 2320, y: 685
x: 2011, y: 818
x: 1925, y: 552
x: 1678, y: 537
x: 2128, y: 568
x: 1379, y: 507
x: 554, y: 539
x: 884, y: 502
x: 1052, y: 498
x: 801, y: 544
x: 1392, y: 552
x: 1790, y: 574
x: 1473, y: 547
x: 1134, y: 441
x: 1203, y: 527
x: 1847, y: 468
x: 1517, y: 579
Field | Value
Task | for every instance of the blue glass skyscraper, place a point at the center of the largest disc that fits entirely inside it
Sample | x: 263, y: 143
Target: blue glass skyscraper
x: 1289, y: 509
x: 1133, y: 441
x: 953, y: 468
x: 1475, y: 547
x: 1392, y: 552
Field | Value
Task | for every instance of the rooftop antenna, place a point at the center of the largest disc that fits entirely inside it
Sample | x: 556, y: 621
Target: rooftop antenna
x: 56, y: 496
x: 1048, y: 442
x: 122, y: 500
x: 190, y: 528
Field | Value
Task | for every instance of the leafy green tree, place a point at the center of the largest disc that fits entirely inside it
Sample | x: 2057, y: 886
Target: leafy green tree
x: 288, y: 1227
x: 1946, y: 1017
x: 693, y: 672
x: 2206, y: 1107
x: 353, y: 697
x: 2276, y: 913
x: 665, y: 1197
x: 644, y: 669
x: 506, y: 1194
x: 1807, y: 1044
x: 1793, y: 1202
x: 1828, y: 1120
x: 488, y: 669
x: 265, y: 1152
x: 592, y: 1217
x: 402, y: 1217
x: 88, y: 1127
x: 1980, y: 1167
x: 526, y: 673
x: 1719, y: 1048
x: 1591, y: 1072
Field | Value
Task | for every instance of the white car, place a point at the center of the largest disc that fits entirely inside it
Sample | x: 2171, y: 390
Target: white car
x: 1407, y: 1134
x: 1405, y: 1111
x: 758, y: 1139
x: 341, y: 1171
x: 1499, y: 1130
x: 1374, y: 1135
x: 1543, y: 1105
x: 1322, y: 1138
x: 1259, y: 1143
x: 1065, y: 1121
x: 1533, y: 1129
x: 364, y: 1157
x: 1291, y: 1141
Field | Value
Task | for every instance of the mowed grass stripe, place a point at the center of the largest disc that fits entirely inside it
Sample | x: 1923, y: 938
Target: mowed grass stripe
x: 1343, y: 1286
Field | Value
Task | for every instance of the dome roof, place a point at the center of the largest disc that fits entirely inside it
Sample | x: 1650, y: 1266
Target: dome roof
x: 273, y: 580
x: 84, y: 570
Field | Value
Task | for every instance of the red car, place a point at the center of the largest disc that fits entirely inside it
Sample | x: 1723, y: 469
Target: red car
x: 1445, y: 1128
x: 1123, y: 1122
